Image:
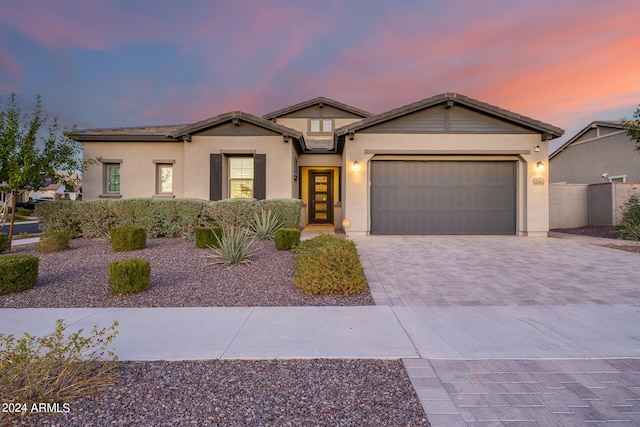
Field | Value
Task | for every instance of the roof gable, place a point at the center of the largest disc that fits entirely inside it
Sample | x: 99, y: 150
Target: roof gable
x: 594, y: 130
x: 319, y: 107
x: 238, y: 123
x: 441, y: 117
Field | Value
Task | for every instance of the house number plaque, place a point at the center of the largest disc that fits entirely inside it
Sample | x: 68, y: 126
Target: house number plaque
x: 538, y: 181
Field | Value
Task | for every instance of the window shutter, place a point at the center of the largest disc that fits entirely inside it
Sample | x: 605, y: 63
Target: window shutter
x: 260, y: 176
x: 215, y: 181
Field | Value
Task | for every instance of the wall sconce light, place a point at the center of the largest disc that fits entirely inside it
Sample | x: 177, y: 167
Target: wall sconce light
x: 356, y: 166
x: 540, y: 166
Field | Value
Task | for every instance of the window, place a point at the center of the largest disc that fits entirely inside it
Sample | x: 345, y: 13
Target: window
x: 618, y: 178
x: 240, y: 177
x: 112, y: 176
x: 164, y: 178
x: 320, y: 125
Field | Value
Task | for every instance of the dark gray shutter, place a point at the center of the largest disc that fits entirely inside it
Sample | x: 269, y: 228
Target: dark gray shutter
x: 215, y: 182
x: 260, y: 176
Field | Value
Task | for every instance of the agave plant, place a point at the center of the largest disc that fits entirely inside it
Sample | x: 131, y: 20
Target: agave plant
x: 234, y: 247
x: 265, y: 225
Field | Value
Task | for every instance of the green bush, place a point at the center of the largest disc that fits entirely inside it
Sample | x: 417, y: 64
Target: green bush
x: 264, y: 225
x: 18, y: 272
x: 159, y: 217
x: 59, y: 217
x: 208, y: 237
x: 288, y: 210
x: 129, y: 276
x: 54, y: 241
x: 287, y: 238
x: 235, y: 247
x: 56, y: 368
x: 629, y: 228
x: 4, y: 242
x: 234, y: 213
x: 24, y: 212
x: 128, y: 238
x: 328, y: 264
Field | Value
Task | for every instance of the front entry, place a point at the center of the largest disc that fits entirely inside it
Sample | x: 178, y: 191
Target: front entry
x: 320, y: 197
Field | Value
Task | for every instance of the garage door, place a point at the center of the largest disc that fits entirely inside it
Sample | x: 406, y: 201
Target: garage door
x: 443, y: 197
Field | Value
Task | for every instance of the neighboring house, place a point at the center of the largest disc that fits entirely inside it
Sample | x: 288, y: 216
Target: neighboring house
x: 444, y: 165
x: 601, y: 152
x: 56, y: 191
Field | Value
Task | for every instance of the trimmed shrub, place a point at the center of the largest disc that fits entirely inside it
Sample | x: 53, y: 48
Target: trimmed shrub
x: 159, y: 217
x: 24, y: 212
x: 208, y: 237
x: 54, y: 241
x: 95, y: 218
x: 235, y: 247
x: 18, y: 272
x: 287, y: 238
x: 59, y: 217
x: 264, y: 225
x: 328, y: 264
x: 288, y: 210
x: 128, y: 238
x: 234, y: 213
x: 4, y: 242
x: 58, y: 367
x: 128, y: 276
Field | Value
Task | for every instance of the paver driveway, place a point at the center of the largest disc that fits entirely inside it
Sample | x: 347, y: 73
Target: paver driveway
x: 514, y: 331
x: 496, y: 270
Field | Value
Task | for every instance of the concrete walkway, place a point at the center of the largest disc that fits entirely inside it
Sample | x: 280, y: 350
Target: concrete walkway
x: 492, y: 330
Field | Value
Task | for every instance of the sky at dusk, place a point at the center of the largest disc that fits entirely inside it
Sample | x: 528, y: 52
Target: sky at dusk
x: 145, y: 62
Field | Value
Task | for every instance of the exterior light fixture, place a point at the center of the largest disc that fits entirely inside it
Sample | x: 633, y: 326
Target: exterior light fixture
x: 356, y: 166
x: 540, y: 166
x: 345, y: 224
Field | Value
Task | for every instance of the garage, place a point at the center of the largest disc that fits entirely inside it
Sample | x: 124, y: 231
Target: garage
x: 443, y: 197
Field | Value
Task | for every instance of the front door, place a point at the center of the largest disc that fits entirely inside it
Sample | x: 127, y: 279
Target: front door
x: 321, y: 197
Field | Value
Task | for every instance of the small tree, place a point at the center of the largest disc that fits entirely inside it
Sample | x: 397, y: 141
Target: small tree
x: 29, y: 155
x: 633, y: 127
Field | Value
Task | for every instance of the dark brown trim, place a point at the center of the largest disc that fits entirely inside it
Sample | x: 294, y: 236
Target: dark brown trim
x: 215, y: 177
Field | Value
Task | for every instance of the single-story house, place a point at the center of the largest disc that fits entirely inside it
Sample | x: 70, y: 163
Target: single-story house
x: 601, y: 152
x: 448, y: 164
x: 57, y: 191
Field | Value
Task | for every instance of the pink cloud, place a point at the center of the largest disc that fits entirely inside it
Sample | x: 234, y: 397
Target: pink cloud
x: 10, y: 65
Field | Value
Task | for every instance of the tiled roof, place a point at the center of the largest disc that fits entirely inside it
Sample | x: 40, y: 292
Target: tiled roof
x: 223, y: 118
x: 138, y: 133
x: 455, y: 99
x: 317, y: 101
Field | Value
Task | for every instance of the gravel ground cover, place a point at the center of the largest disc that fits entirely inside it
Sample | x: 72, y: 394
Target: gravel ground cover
x: 181, y: 276
x: 249, y: 393
x: 215, y: 392
x: 604, y: 232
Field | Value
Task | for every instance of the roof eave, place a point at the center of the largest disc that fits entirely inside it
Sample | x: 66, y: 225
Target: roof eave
x: 315, y: 101
x: 452, y: 99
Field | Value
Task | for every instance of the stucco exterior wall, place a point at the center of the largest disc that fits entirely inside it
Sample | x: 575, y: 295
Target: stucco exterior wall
x: 568, y: 205
x: 584, y: 161
x: 137, y: 170
x: 279, y: 162
x: 532, y: 211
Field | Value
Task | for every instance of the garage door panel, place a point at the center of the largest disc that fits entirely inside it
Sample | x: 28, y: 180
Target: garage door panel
x: 442, y: 197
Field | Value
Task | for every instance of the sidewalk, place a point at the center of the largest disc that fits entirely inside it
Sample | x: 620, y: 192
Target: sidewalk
x: 351, y: 332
